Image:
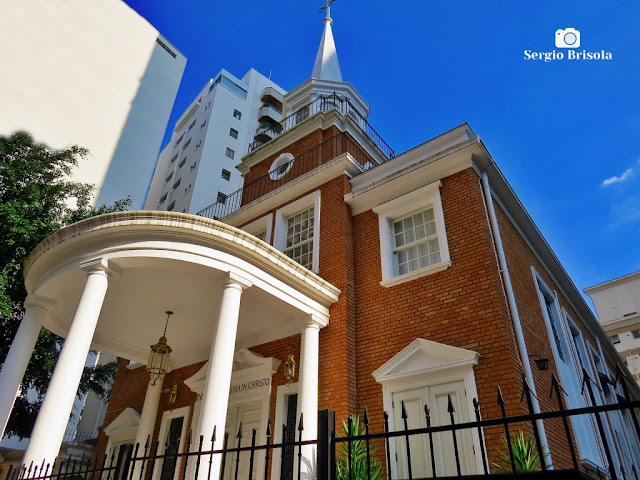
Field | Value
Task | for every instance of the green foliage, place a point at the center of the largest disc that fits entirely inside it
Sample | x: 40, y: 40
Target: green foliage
x: 36, y: 199
x: 525, y: 454
x: 358, y: 458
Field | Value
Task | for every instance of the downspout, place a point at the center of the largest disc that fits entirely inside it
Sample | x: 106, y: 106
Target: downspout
x: 517, y: 326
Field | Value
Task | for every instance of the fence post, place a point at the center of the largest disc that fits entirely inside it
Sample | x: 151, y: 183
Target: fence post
x: 326, y: 447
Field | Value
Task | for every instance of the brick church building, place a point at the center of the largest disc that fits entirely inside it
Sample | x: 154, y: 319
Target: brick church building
x: 409, y: 279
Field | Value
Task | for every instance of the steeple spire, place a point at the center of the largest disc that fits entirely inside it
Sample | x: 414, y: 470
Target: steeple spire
x: 326, y: 66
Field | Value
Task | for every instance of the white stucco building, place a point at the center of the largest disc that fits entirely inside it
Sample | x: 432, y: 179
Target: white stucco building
x: 95, y: 74
x: 229, y: 115
x: 617, y: 304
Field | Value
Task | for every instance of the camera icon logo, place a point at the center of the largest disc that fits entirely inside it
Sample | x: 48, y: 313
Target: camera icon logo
x: 567, y: 38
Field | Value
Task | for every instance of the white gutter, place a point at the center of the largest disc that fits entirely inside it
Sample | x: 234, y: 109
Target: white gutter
x: 517, y: 326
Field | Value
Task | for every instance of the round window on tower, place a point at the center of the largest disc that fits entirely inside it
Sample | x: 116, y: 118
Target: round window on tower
x: 281, y: 166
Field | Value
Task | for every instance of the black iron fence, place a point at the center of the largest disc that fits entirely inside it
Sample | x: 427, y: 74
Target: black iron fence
x: 325, y: 103
x: 354, y: 456
x: 284, y: 173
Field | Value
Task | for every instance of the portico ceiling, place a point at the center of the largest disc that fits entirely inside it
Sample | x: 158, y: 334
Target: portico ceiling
x: 169, y: 261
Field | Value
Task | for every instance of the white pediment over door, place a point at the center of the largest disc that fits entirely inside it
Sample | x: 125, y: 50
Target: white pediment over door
x: 124, y: 426
x: 243, y: 361
x: 424, y: 357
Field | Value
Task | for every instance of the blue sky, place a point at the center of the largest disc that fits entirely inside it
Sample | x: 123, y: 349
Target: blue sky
x: 565, y: 133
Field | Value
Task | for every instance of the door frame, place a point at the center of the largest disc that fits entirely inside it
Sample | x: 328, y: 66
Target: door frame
x: 422, y: 364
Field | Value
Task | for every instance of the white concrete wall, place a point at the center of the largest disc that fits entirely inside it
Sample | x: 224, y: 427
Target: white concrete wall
x: 204, y: 181
x: 90, y: 73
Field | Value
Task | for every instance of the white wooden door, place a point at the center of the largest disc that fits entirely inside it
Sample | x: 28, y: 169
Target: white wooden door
x: 436, y: 397
x: 250, y: 416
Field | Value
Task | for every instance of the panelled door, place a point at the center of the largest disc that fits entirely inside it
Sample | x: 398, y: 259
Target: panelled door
x: 436, y: 397
x: 249, y: 415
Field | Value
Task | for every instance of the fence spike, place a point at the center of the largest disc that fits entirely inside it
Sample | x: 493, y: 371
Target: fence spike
x: 500, y: 397
x: 450, y: 408
x: 483, y: 453
x: 269, y: 428
x: 301, y: 424
x: 213, y: 436
x: 366, y: 416
x: 404, y: 411
x: 239, y: 435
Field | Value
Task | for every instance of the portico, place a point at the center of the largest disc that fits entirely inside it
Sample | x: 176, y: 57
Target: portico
x: 104, y: 284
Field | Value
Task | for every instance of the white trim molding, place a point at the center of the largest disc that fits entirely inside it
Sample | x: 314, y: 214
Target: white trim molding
x: 412, y: 202
x: 425, y: 364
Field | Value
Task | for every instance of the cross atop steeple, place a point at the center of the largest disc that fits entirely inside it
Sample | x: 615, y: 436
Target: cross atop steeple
x: 326, y: 66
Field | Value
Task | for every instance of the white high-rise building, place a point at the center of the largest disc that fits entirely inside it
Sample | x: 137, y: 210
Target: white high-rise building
x: 617, y: 303
x: 94, y: 74
x: 197, y: 167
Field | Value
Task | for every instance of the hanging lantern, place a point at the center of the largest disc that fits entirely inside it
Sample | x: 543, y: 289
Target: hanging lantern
x: 289, y: 368
x: 159, y: 356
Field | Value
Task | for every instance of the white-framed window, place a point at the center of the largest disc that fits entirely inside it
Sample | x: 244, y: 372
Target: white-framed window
x: 261, y: 228
x: 568, y: 361
x: 298, y: 230
x: 230, y: 153
x: 281, y: 166
x: 172, y: 437
x: 413, y: 239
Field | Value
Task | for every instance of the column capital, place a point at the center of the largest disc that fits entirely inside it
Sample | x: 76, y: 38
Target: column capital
x: 101, y: 264
x: 37, y: 301
x: 235, y: 280
x: 313, y: 321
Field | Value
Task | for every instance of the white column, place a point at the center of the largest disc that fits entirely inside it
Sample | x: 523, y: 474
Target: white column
x: 308, y: 394
x: 15, y: 365
x: 50, y: 425
x: 147, y: 421
x: 215, y: 399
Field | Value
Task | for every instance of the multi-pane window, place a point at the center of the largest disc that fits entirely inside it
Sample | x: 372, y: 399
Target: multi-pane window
x: 416, y: 242
x: 163, y: 198
x: 222, y: 198
x: 226, y: 174
x: 237, y: 114
x: 176, y: 184
x: 182, y: 162
x: 614, y: 339
x: 186, y: 144
x: 169, y: 177
x: 230, y: 153
x: 179, y: 140
x: 192, y: 125
x: 299, y: 243
x: 233, y: 133
x: 170, y: 207
x: 262, y: 235
x: 175, y: 157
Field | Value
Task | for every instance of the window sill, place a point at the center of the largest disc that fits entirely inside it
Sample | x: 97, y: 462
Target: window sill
x: 423, y: 272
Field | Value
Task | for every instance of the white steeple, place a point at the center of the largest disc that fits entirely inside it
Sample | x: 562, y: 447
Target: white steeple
x: 327, y: 66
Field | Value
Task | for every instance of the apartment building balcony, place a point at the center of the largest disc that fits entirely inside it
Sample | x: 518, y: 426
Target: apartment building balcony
x: 264, y: 134
x: 273, y: 97
x: 269, y: 114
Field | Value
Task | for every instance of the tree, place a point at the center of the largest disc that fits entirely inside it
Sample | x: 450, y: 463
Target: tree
x: 37, y: 198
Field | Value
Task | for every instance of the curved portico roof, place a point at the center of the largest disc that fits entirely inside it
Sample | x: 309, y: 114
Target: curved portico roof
x: 179, y: 262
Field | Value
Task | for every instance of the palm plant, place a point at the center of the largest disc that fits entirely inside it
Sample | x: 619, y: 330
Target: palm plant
x: 358, y: 459
x: 526, y: 457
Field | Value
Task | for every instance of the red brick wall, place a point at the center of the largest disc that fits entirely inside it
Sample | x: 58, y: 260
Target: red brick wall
x: 520, y: 259
x: 463, y: 306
